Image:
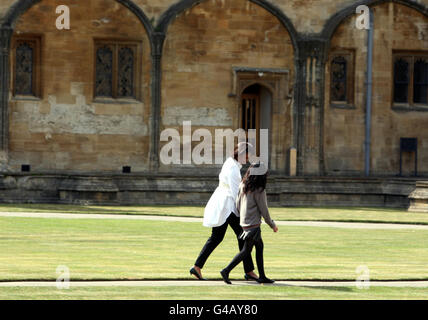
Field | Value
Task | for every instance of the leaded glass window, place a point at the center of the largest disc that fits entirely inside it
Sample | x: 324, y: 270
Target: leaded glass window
x: 104, y: 72
x: 116, y: 70
x: 26, y: 77
x: 24, y: 69
x: 126, y: 73
x: 338, y: 79
x: 342, y: 77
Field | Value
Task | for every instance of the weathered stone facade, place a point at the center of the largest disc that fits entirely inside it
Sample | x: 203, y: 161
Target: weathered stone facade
x: 67, y: 129
x: 196, y: 59
x: 397, y: 27
x: 202, y: 47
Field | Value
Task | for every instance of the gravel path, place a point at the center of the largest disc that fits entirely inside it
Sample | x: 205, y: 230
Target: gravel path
x: 346, y: 225
x: 195, y: 283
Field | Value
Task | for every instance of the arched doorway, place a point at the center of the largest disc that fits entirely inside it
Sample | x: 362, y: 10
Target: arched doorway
x: 256, y: 111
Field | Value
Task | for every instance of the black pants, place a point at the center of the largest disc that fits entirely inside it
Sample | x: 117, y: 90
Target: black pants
x: 251, y: 238
x: 216, y: 238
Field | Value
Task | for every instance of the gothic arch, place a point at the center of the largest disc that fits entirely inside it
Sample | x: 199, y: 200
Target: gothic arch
x: 168, y: 16
x: 21, y: 6
x: 335, y: 20
x: 7, y: 25
x: 261, y: 84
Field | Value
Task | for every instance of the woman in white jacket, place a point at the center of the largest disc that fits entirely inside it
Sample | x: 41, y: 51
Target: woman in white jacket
x: 221, y: 212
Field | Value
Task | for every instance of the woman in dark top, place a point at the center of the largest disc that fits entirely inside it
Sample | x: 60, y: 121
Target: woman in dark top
x: 251, y: 204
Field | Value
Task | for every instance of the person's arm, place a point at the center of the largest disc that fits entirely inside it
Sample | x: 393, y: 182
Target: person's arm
x: 238, y: 201
x: 261, y: 200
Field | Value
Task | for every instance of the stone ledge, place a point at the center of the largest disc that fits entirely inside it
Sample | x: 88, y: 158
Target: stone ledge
x: 120, y: 189
x: 410, y: 108
x: 88, y: 185
x: 419, y: 197
x: 344, y: 106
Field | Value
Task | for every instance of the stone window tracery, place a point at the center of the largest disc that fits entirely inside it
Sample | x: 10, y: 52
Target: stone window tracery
x: 116, y: 70
x: 342, y: 78
x: 26, y: 66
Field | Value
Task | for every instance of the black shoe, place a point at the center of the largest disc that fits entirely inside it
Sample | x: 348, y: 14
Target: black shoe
x: 225, y: 276
x: 196, y: 274
x: 249, y: 277
x: 265, y: 280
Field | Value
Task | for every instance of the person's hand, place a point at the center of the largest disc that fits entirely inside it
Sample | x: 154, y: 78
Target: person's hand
x: 275, y: 229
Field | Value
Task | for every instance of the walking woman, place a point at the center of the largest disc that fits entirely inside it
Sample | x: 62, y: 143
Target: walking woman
x: 252, y: 206
x: 221, y: 212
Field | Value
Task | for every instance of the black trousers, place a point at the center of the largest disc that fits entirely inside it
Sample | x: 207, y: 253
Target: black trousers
x: 217, y: 237
x: 252, y: 238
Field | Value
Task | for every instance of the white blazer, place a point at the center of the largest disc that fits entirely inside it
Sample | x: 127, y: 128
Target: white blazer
x: 222, y: 201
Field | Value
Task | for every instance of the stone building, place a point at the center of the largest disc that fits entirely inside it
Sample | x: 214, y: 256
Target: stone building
x: 82, y: 109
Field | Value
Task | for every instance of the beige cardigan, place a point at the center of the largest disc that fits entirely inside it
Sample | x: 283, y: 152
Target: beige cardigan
x: 252, y: 207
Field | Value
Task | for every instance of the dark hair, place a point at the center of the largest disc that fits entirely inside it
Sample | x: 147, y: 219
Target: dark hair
x: 253, y: 182
x: 240, y: 149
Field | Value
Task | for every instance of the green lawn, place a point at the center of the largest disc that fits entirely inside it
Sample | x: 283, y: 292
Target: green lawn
x: 347, y: 214
x: 32, y: 248
x: 215, y: 293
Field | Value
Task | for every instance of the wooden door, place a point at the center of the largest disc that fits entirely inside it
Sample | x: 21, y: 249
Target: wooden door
x: 250, y: 104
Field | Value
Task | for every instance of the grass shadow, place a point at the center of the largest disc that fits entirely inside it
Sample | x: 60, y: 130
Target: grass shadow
x: 108, y: 209
x: 332, y: 288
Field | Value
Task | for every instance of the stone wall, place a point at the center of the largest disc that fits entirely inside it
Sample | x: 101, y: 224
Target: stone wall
x: 308, y: 16
x: 397, y: 27
x: 202, y: 46
x: 146, y: 189
x: 66, y: 129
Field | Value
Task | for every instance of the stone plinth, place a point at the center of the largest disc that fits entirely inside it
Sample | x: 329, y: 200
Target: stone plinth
x: 419, y: 197
x: 88, y: 190
x: 186, y: 189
